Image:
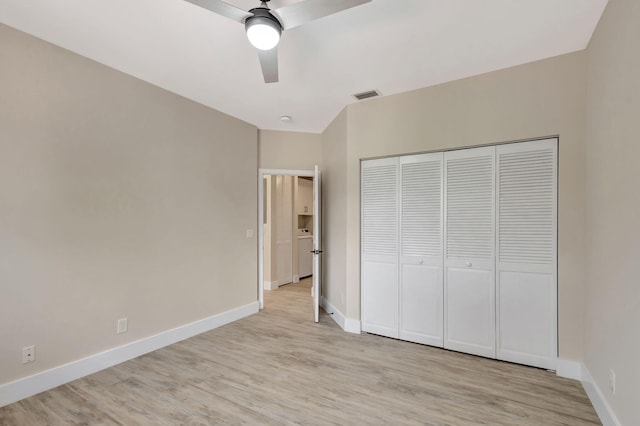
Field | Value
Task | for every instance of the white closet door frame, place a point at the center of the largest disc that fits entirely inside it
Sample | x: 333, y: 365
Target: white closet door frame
x: 420, y: 257
x: 469, y: 262
x: 379, y: 262
x: 526, y: 268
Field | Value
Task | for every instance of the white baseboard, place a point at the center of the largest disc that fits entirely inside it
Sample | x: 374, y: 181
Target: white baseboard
x: 600, y: 403
x: 578, y: 371
x: 271, y: 285
x: 353, y: 326
x: 347, y: 324
x: 569, y: 369
x: 296, y: 278
x: 40, y: 382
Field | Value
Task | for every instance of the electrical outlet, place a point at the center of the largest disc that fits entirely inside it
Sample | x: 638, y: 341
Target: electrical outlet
x: 123, y: 325
x: 28, y: 354
x: 612, y: 381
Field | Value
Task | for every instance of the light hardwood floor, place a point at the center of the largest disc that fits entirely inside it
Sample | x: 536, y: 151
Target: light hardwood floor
x: 278, y: 367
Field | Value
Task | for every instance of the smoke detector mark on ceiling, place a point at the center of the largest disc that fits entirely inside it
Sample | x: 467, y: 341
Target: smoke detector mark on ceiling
x: 366, y: 95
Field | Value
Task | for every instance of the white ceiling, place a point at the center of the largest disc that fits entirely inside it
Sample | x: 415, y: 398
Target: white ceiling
x: 390, y: 45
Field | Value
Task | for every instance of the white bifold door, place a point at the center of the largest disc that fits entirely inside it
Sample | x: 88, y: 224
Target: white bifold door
x: 459, y: 250
x: 379, y: 248
x: 421, y: 290
x: 469, y: 263
x: 402, y: 248
x: 526, y: 265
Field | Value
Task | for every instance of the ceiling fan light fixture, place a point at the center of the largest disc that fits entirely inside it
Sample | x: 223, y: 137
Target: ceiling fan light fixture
x: 263, y: 30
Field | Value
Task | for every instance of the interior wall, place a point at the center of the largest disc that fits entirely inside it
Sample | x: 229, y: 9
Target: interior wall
x: 334, y: 207
x: 612, y: 337
x: 117, y: 199
x: 289, y: 150
x: 534, y: 100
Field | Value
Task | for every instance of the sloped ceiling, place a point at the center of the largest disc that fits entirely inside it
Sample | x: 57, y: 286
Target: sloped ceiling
x: 390, y: 45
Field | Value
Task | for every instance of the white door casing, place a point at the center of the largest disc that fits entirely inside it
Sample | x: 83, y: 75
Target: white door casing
x: 261, y: 214
x: 317, y: 246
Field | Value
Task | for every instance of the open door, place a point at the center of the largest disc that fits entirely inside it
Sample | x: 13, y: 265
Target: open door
x: 317, y: 249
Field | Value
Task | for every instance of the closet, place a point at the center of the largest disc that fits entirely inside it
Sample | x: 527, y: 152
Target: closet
x: 458, y: 250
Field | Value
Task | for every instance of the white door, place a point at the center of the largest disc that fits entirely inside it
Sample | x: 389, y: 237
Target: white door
x: 317, y: 238
x: 469, y: 260
x: 379, y: 246
x: 421, y: 281
x: 526, y: 248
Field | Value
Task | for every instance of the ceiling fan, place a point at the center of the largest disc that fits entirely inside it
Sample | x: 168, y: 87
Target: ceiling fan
x: 264, y: 26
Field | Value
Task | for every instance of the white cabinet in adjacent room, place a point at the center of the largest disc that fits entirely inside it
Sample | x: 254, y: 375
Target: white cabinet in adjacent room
x: 304, y: 199
x: 305, y: 257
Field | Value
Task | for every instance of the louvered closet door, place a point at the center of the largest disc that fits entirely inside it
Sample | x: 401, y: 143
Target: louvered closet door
x: 526, y: 267
x: 469, y: 251
x: 421, y: 285
x: 379, y: 246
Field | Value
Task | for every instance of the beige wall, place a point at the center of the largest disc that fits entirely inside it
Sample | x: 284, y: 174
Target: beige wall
x: 289, y: 150
x: 334, y: 207
x: 534, y: 100
x: 117, y: 199
x: 612, y: 338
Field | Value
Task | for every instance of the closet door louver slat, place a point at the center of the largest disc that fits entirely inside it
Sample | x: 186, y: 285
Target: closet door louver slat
x: 380, y: 210
x: 422, y: 208
x: 470, y: 207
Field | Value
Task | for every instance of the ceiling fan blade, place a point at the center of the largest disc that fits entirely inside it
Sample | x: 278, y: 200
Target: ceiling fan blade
x: 300, y: 13
x: 223, y: 8
x: 269, y: 64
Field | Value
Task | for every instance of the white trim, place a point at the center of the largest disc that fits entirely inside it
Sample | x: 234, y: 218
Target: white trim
x: 347, y: 324
x: 287, y: 172
x: 40, y: 382
x: 296, y: 278
x: 353, y: 326
x: 600, y: 404
x: 271, y: 285
x: 569, y: 369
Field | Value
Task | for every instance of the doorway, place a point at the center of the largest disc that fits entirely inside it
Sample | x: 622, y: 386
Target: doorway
x: 289, y: 246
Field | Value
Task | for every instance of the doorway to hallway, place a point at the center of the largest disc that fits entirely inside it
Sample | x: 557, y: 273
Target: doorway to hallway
x: 289, y: 231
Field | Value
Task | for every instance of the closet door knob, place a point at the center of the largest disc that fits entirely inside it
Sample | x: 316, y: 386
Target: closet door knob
x: 420, y: 262
x: 469, y: 264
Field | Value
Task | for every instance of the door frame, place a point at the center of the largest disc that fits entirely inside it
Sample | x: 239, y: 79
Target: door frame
x: 261, y: 174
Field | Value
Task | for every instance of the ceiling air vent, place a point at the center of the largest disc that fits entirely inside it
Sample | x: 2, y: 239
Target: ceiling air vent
x: 366, y: 95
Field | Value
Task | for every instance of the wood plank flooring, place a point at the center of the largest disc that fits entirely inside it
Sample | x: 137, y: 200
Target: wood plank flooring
x: 278, y: 367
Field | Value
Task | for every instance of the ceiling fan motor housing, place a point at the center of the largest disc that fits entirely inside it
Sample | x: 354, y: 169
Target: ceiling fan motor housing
x: 262, y: 15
